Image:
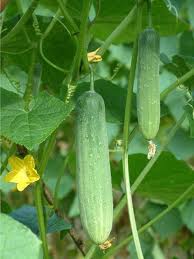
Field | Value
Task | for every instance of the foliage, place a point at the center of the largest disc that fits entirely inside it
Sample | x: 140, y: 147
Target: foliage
x: 44, y: 47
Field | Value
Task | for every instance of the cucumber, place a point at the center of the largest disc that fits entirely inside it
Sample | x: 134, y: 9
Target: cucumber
x: 148, y: 91
x: 93, y: 167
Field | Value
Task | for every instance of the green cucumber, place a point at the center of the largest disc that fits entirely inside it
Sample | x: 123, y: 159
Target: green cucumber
x: 148, y: 91
x: 93, y: 167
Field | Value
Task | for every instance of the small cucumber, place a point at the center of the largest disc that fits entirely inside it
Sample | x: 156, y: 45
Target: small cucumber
x: 148, y: 91
x: 93, y: 167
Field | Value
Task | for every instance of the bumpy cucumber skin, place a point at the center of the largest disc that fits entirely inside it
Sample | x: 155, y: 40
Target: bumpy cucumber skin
x: 93, y: 168
x: 148, y: 91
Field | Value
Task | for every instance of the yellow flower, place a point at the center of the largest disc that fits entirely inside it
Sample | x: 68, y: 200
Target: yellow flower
x: 23, y: 172
x: 93, y: 57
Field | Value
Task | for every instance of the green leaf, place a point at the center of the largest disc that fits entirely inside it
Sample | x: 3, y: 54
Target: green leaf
x: 178, y: 66
x: 57, y: 224
x: 176, y: 102
x: 4, y: 186
x: 167, y: 179
x: 13, y: 79
x: 113, y: 95
x: 74, y: 209
x: 44, y: 8
x: 56, y: 165
x: 169, y: 224
x: 186, y: 44
x: 112, y: 14
x: 17, y: 241
x: 27, y: 215
x: 182, y: 145
x: 187, y: 214
x: 30, y: 128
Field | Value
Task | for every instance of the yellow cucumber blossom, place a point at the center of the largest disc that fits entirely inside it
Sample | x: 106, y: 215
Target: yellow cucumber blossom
x: 23, y: 172
x: 93, y: 57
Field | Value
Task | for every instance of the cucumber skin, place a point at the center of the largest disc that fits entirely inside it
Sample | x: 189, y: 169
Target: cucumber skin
x: 93, y: 168
x: 148, y: 89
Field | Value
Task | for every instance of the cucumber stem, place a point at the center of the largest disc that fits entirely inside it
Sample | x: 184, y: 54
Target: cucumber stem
x: 149, y: 8
x: 126, y: 139
x: 81, y: 53
x: 91, y: 79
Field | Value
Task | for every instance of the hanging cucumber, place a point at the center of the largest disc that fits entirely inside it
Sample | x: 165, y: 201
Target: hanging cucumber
x: 148, y: 92
x: 93, y: 168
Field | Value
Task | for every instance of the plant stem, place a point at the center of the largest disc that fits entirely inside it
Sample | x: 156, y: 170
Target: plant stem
x: 91, y: 79
x: 81, y: 52
x: 20, y: 23
x: 69, y: 22
x: 17, y: 53
x: 179, y: 81
x: 28, y: 92
x: 47, y: 150
x: 119, y: 29
x: 19, y: 6
x: 149, y: 7
x: 2, y: 20
x: 125, y: 142
x: 82, y: 42
x: 90, y: 252
x: 130, y: 207
x: 38, y: 192
x: 41, y: 222
x: 48, y: 61
x: 126, y: 240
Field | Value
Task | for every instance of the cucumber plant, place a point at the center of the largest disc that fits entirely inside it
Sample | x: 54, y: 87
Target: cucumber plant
x: 52, y: 50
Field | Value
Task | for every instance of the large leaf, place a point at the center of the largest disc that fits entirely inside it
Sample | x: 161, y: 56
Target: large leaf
x: 187, y: 213
x: 28, y: 216
x: 13, y: 79
x: 112, y: 14
x: 53, y: 171
x: 169, y: 224
x: 182, y: 145
x: 113, y: 95
x: 178, y: 67
x: 167, y: 179
x: 30, y: 128
x: 17, y: 241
